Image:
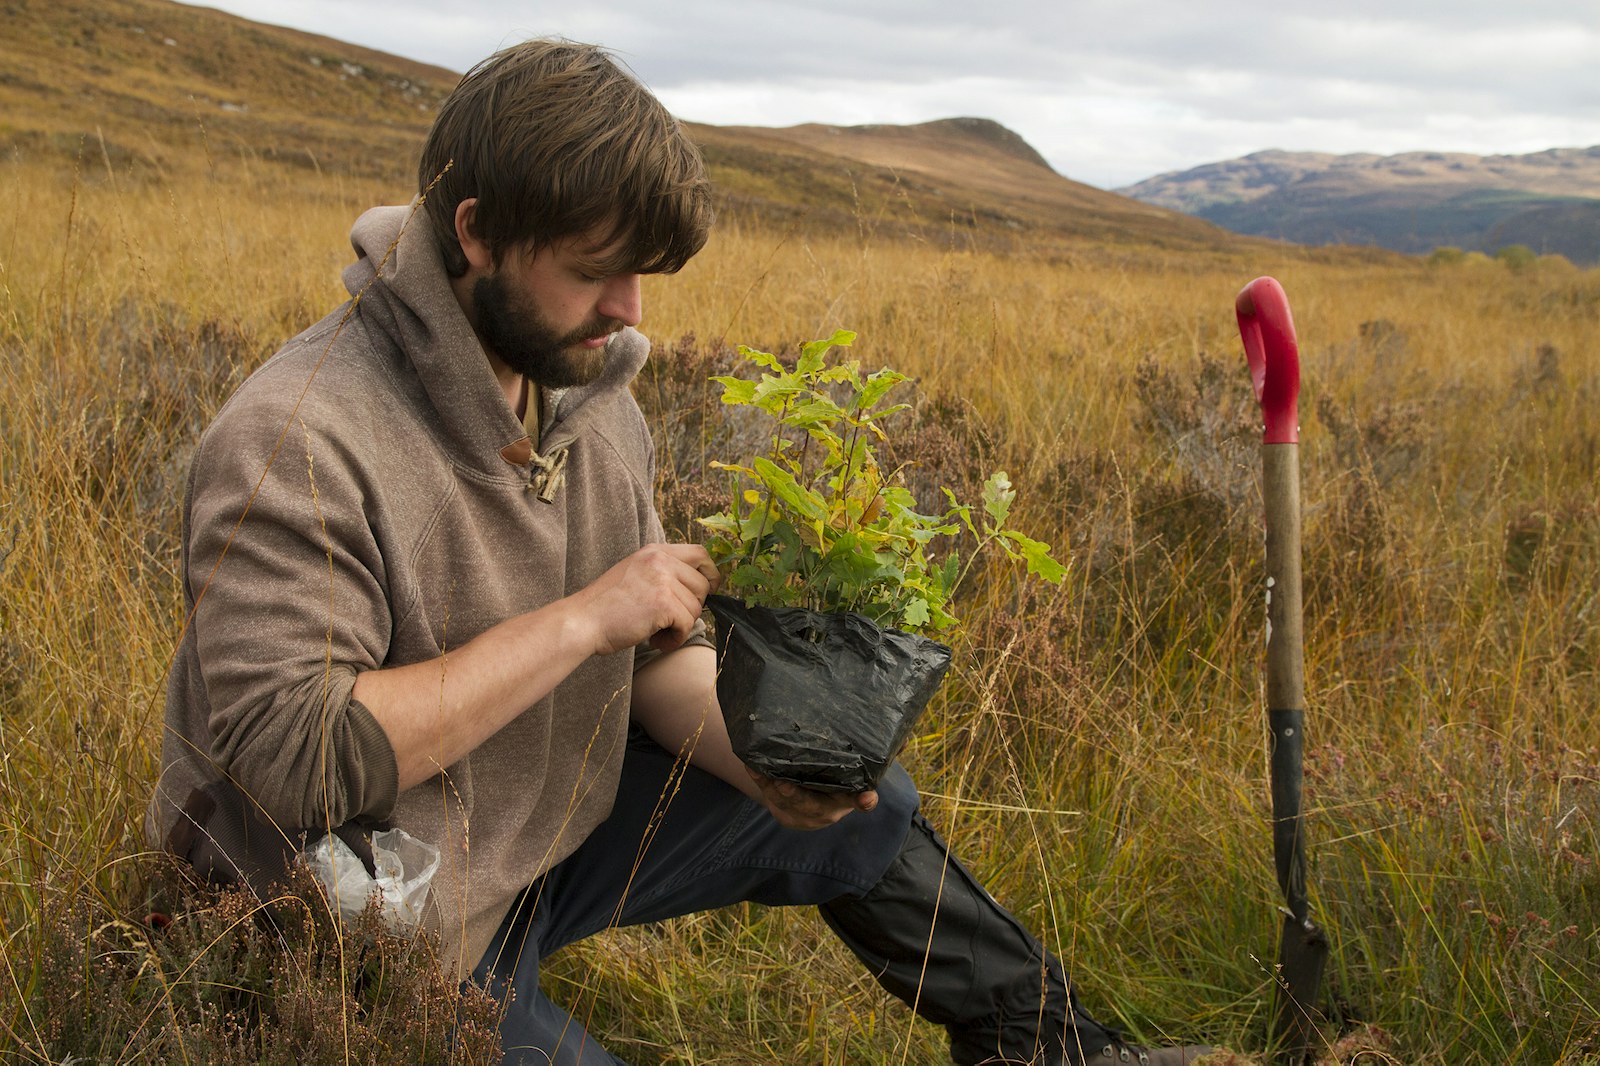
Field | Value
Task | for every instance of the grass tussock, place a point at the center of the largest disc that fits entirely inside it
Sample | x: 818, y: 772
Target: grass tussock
x: 1098, y: 755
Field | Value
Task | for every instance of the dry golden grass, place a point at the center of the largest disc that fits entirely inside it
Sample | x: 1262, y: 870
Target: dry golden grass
x: 1099, y: 755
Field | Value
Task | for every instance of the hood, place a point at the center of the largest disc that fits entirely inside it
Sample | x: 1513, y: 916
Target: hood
x: 400, y: 286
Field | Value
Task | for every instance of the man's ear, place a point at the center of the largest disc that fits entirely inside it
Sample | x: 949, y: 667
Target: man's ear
x: 477, y: 251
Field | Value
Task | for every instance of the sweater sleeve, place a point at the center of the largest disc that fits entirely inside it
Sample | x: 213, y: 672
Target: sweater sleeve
x: 290, y: 603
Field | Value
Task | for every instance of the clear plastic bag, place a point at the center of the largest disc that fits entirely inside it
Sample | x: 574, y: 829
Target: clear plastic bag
x: 404, y: 869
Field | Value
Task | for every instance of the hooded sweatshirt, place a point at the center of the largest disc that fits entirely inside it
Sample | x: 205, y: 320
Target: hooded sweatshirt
x: 369, y: 499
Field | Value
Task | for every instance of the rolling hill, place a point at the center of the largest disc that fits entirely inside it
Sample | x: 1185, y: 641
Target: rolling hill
x: 959, y: 176
x: 152, y: 83
x: 154, y: 86
x: 1414, y: 202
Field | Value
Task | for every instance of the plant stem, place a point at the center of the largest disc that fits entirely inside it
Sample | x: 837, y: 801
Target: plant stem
x: 972, y: 558
x: 761, y: 534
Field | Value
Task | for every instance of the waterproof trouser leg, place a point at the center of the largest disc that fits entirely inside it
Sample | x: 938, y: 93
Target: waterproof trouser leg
x: 677, y: 841
x: 934, y: 938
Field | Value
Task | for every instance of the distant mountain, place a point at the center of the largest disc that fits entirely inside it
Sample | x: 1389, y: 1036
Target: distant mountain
x: 1549, y: 201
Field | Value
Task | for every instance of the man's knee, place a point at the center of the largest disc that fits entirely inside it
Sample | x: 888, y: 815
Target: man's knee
x: 897, y: 802
x: 874, y: 839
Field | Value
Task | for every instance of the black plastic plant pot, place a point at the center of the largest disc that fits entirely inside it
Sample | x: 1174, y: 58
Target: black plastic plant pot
x: 823, y: 699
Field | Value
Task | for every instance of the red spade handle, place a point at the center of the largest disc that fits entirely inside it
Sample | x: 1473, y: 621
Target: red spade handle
x: 1269, y: 345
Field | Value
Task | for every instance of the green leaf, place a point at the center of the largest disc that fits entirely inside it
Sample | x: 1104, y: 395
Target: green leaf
x: 734, y: 467
x: 771, y: 394
x: 813, y: 354
x: 877, y: 385
x: 819, y: 411
x: 790, y: 492
x: 811, y: 358
x: 1040, y: 561
x: 749, y: 577
x: 723, y: 523
x: 793, y: 556
x: 925, y: 534
x: 736, y: 391
x: 852, y: 560
x: 758, y: 523
x: 872, y: 418
x: 766, y: 359
x: 942, y: 619
x: 915, y: 615
x: 997, y: 497
x: 961, y: 512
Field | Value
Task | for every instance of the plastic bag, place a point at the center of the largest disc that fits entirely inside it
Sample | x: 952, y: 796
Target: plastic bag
x: 823, y: 699
x: 404, y: 866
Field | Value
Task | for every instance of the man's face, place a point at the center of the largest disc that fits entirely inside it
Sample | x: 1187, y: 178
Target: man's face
x: 549, y: 316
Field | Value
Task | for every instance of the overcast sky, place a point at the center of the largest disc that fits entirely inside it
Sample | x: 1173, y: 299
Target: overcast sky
x: 1108, y: 92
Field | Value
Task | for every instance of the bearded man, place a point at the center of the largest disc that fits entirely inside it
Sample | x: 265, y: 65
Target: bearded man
x: 428, y: 589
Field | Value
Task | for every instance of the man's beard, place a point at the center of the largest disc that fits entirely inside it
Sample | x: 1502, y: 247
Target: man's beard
x: 523, y: 341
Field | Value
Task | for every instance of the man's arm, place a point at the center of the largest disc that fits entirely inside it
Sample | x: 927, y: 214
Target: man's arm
x: 675, y: 701
x: 437, y: 711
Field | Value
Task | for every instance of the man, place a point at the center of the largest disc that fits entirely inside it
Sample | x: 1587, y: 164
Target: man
x: 429, y: 589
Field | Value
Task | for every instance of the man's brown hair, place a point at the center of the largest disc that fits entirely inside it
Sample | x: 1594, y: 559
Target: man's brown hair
x: 556, y: 140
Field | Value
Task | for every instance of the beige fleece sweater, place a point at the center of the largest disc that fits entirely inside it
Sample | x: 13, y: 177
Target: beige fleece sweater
x: 369, y: 499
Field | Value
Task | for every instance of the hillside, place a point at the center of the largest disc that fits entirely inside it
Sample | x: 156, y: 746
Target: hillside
x: 150, y: 83
x: 1412, y: 202
x: 151, y: 86
x: 953, y: 176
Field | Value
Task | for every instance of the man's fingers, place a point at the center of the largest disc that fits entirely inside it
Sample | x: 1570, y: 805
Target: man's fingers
x: 675, y: 631
x: 664, y: 640
x: 798, y: 807
x: 656, y: 595
x: 696, y: 557
x: 680, y: 618
x: 713, y: 576
x: 681, y: 583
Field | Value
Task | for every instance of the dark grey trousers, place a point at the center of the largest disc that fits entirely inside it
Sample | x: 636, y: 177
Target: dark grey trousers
x: 679, y: 840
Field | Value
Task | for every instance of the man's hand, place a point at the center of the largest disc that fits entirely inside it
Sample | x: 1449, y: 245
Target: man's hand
x: 655, y: 594
x: 798, y: 807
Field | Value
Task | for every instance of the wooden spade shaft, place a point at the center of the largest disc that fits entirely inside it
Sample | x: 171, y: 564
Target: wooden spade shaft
x: 1303, y: 947
x: 1280, y: 490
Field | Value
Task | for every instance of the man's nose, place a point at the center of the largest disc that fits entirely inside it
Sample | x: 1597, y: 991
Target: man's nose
x: 622, y: 299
